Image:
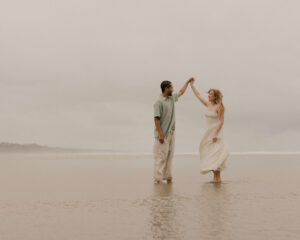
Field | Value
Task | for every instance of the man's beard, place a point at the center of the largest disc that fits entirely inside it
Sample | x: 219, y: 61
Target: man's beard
x: 170, y: 94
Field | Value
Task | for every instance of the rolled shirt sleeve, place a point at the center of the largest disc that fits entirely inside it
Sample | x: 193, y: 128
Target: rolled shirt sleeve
x: 157, y: 109
x: 175, y: 96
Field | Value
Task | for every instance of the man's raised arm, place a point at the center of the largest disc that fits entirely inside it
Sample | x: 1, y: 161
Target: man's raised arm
x: 182, y: 90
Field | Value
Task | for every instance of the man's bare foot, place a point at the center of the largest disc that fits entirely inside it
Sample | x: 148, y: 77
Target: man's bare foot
x: 157, y: 181
x: 169, y: 181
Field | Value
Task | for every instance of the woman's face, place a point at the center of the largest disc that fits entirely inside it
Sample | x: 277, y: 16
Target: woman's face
x: 211, y: 96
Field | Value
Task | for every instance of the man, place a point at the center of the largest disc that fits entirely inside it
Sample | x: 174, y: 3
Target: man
x: 164, y: 118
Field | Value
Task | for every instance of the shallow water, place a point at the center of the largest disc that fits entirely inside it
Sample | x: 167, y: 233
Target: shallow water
x: 92, y: 197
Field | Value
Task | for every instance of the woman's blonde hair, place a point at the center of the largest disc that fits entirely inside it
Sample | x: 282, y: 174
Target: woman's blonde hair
x: 218, y: 99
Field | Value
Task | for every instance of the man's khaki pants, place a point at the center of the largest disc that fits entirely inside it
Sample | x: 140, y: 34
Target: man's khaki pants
x: 163, y: 156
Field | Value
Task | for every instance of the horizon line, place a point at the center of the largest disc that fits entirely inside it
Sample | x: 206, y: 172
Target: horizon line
x: 180, y: 153
x: 197, y: 153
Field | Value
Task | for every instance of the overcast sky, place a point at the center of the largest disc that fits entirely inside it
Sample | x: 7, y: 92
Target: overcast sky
x: 86, y: 73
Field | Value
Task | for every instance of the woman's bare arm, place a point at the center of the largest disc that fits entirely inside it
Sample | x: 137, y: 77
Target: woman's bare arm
x: 198, y: 94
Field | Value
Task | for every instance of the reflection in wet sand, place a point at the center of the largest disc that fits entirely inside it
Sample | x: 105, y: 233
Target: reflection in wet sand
x: 82, y: 197
x: 163, y: 213
x: 203, y: 214
x: 213, y: 205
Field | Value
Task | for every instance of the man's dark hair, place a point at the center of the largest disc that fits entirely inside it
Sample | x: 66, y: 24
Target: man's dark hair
x: 164, y: 85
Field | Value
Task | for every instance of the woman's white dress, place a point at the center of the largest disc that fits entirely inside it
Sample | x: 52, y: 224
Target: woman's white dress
x: 213, y: 155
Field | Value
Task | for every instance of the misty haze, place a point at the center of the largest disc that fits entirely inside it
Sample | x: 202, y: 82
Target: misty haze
x: 87, y: 75
x: 78, y: 85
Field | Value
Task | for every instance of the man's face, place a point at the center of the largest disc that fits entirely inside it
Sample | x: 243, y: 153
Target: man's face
x: 170, y: 90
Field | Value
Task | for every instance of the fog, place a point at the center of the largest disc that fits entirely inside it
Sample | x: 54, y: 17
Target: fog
x: 86, y: 73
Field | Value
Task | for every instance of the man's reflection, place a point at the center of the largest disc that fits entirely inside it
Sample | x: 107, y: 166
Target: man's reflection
x: 163, y: 212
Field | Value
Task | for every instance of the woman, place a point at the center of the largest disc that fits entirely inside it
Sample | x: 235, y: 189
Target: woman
x: 213, y: 149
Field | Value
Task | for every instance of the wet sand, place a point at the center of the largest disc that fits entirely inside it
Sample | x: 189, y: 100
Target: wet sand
x: 94, y: 197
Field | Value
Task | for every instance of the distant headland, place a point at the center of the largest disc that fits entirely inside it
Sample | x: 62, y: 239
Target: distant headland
x: 6, y: 147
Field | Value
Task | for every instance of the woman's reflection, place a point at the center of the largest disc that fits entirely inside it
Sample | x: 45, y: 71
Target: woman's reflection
x: 213, y: 207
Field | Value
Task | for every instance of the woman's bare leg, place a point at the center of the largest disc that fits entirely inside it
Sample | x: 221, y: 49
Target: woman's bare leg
x: 215, y: 176
x: 218, y: 173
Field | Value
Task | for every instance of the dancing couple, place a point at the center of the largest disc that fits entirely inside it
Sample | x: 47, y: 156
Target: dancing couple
x: 213, y: 149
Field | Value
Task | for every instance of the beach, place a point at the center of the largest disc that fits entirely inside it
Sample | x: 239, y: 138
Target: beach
x: 94, y: 196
